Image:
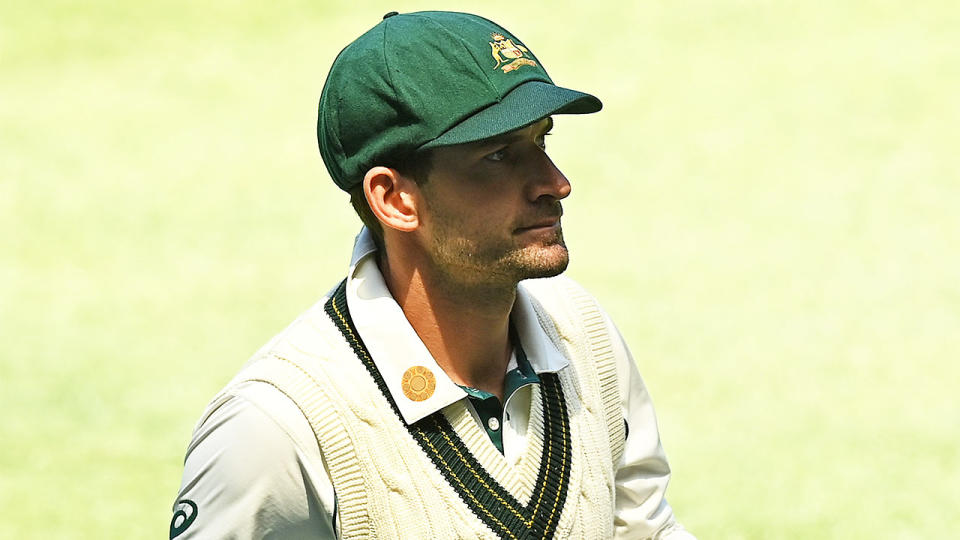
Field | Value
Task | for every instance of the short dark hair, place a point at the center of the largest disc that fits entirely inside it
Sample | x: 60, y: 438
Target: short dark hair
x: 416, y: 166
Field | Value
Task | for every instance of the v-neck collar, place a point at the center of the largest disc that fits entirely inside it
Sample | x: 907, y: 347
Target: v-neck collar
x: 499, y: 507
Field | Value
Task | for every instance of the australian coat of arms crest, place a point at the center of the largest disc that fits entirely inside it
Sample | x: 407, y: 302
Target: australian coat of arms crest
x: 509, y: 55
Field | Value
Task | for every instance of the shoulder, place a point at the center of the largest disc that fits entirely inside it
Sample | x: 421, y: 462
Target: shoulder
x: 253, y: 466
x: 565, y: 302
x: 251, y: 418
x: 254, y: 407
x: 565, y: 305
x: 560, y: 293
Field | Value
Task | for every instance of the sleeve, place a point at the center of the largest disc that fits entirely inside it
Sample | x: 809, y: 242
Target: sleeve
x: 643, y: 473
x: 254, y: 470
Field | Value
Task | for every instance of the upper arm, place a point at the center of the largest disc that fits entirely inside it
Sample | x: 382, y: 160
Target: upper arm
x: 249, y: 473
x: 641, y: 509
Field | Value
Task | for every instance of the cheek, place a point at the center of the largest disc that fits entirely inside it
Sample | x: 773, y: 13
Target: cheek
x: 475, y: 224
x: 482, y: 206
x: 473, y: 203
x: 486, y: 215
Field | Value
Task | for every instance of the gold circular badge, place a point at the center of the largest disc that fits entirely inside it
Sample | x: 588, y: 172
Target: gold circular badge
x: 418, y: 383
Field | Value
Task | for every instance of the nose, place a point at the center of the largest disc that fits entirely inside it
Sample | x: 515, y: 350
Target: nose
x: 546, y: 180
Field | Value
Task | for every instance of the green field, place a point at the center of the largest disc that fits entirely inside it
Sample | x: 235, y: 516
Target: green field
x: 769, y: 207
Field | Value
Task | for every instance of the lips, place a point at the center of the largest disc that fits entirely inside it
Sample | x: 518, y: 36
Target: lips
x: 547, y: 218
x: 543, y: 224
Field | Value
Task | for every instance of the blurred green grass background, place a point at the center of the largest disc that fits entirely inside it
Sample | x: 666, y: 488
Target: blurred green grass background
x: 767, y: 206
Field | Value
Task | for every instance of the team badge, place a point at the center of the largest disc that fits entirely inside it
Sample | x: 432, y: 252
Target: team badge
x: 418, y: 383
x: 509, y: 55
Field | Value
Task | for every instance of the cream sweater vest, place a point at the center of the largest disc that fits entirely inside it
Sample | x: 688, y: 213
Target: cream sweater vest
x: 441, y: 477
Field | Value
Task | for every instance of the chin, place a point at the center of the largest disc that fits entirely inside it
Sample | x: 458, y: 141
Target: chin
x: 544, y: 262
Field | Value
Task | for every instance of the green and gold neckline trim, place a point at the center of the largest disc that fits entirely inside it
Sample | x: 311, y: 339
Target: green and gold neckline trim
x: 494, y: 505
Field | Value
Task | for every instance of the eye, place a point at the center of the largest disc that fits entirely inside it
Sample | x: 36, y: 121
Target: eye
x: 499, y: 155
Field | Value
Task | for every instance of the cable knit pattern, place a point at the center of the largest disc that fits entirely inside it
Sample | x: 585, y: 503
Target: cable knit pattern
x: 569, y: 314
x: 441, y: 477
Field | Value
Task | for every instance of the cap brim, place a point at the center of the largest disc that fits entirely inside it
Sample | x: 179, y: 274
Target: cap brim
x: 522, y: 106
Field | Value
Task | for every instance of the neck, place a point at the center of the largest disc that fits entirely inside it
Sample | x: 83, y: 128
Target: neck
x: 464, y: 326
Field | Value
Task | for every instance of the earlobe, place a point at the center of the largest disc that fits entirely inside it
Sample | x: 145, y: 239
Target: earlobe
x: 392, y: 198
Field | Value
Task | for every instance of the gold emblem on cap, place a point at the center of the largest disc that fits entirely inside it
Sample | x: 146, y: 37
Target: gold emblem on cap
x: 418, y: 383
x: 510, y: 55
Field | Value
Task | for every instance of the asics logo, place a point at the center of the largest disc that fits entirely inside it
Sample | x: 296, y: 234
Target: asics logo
x: 183, y: 517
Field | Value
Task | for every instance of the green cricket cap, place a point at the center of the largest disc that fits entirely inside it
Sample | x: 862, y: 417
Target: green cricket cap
x: 428, y: 79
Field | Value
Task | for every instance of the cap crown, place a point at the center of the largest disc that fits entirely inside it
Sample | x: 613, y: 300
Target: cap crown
x: 410, y: 79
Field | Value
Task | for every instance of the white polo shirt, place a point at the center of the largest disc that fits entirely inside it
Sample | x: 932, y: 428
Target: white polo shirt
x: 254, y: 469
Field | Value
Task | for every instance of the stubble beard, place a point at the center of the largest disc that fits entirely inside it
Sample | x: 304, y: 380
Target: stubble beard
x: 502, y: 262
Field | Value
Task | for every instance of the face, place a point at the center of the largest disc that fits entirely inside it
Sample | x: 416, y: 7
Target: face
x: 490, y: 211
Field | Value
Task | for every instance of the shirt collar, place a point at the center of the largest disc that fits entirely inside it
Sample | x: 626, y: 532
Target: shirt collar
x: 395, y: 347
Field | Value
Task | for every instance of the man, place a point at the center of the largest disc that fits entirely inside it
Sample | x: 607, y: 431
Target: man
x: 440, y: 390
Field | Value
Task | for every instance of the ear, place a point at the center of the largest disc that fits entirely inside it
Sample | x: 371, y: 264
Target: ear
x: 392, y: 198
